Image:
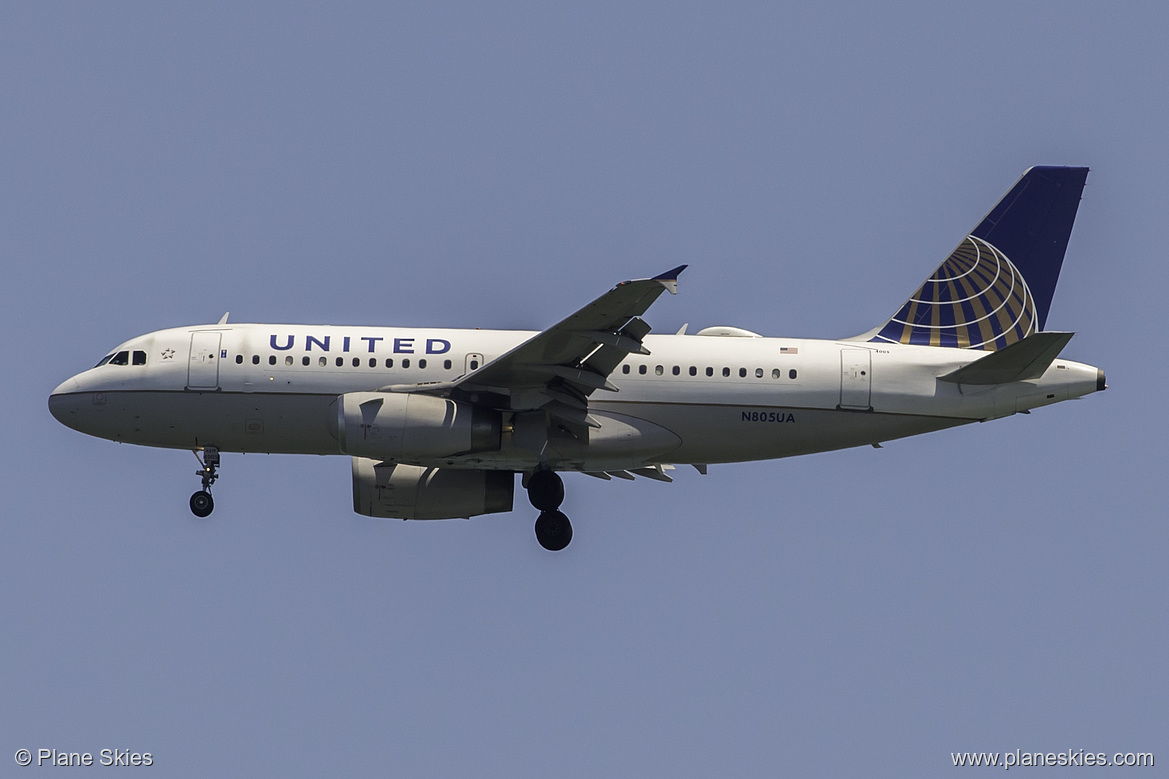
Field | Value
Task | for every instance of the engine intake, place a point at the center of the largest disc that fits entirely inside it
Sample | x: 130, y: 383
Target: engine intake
x: 400, y: 491
x: 408, y: 426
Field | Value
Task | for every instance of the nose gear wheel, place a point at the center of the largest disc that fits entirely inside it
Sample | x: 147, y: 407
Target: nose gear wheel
x: 202, y: 503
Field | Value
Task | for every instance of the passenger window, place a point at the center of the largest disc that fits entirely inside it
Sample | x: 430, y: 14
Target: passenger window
x: 710, y: 371
x: 446, y: 365
x: 389, y: 362
x: 121, y: 358
x: 239, y: 359
x: 726, y: 372
x: 742, y: 373
x: 759, y: 373
x: 792, y: 373
x: 288, y: 360
x: 373, y: 362
x: 323, y: 361
x: 405, y: 362
x: 693, y: 371
x: 356, y: 362
x: 340, y: 362
x: 255, y: 359
x: 422, y: 363
x: 271, y: 359
x: 775, y: 373
x: 624, y: 368
x: 474, y: 365
x: 304, y: 361
x: 658, y: 371
x: 641, y: 369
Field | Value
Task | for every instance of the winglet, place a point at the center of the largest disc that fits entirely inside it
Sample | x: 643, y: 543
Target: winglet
x: 669, y: 279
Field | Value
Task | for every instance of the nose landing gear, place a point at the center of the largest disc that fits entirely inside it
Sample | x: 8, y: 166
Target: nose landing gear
x: 546, y: 493
x: 201, y: 502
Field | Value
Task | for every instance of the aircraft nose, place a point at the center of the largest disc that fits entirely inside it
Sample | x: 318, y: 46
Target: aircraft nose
x: 65, y: 387
x: 63, y: 403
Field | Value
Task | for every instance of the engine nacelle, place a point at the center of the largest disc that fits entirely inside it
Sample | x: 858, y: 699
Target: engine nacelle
x: 399, y: 491
x: 408, y: 426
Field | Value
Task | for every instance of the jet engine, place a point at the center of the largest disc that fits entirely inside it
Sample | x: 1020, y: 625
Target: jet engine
x: 409, y: 426
x: 400, y: 491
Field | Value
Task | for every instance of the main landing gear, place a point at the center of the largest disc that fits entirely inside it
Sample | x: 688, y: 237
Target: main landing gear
x: 201, y: 502
x: 546, y: 493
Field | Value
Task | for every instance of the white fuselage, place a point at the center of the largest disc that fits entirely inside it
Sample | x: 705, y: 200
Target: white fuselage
x: 693, y: 399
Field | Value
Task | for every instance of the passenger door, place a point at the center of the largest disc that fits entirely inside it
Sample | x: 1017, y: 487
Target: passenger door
x: 855, y: 379
x: 203, y: 370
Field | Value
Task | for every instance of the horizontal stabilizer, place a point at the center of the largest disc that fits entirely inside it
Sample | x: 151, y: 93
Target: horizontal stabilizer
x: 1021, y: 361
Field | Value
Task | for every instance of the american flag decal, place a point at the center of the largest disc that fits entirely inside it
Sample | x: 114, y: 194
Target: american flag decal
x: 789, y: 350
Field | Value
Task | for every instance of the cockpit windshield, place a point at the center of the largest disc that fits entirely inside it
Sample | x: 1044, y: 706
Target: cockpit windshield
x: 123, y: 358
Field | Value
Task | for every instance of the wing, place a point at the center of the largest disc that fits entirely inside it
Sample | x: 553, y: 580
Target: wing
x: 559, y: 368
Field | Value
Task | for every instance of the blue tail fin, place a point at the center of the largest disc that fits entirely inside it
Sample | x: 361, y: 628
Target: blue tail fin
x: 996, y: 287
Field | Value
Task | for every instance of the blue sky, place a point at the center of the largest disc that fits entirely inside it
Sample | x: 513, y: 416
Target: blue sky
x: 990, y: 588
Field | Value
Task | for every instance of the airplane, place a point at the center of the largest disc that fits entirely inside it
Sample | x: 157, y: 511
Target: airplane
x: 438, y: 422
